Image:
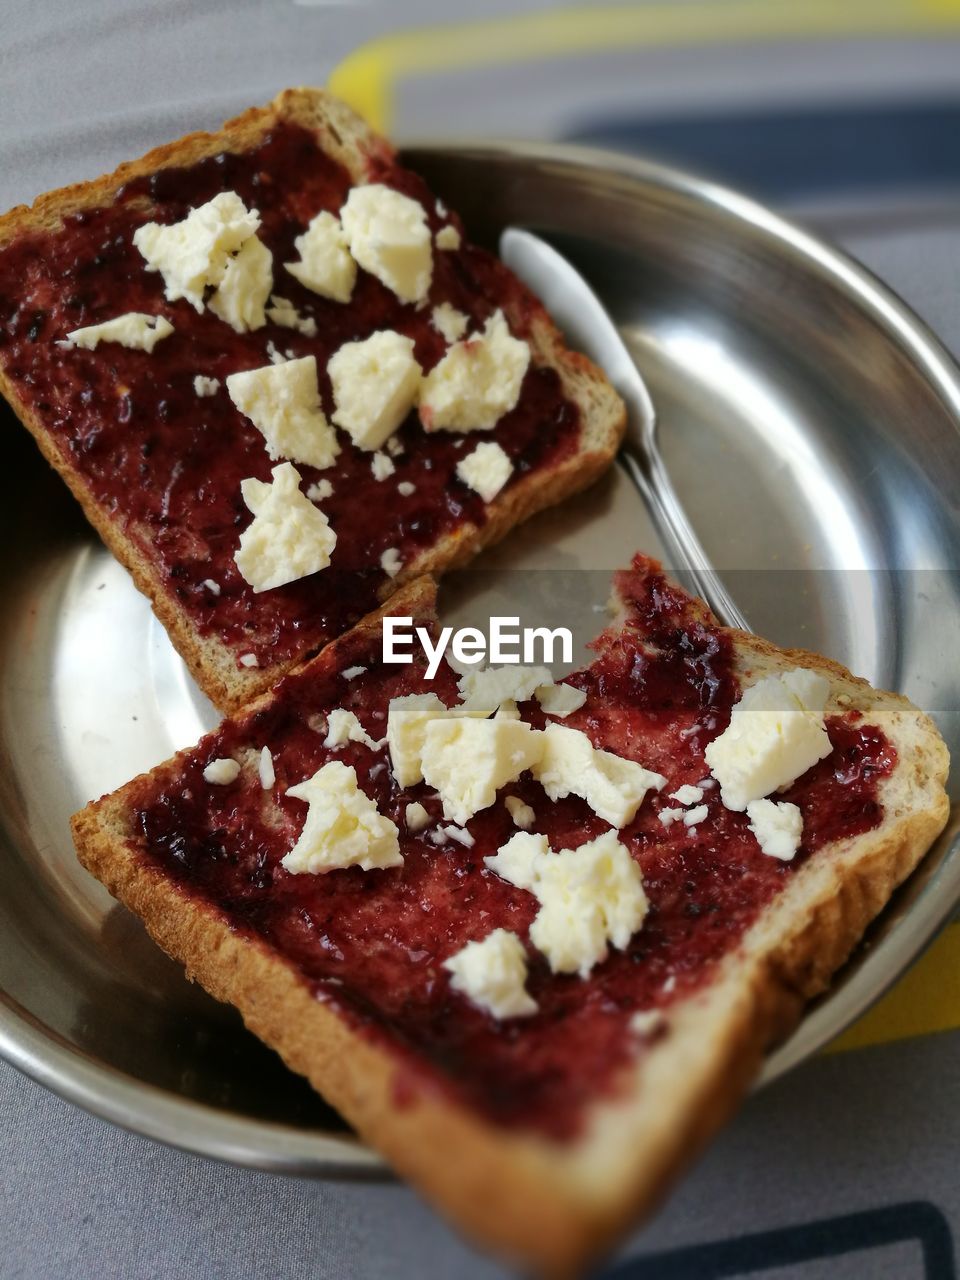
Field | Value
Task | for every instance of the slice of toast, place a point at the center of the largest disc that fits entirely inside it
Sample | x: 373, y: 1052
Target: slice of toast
x: 157, y: 466
x: 543, y: 1136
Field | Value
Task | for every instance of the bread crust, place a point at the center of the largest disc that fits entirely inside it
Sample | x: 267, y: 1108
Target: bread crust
x: 344, y: 136
x: 547, y: 1205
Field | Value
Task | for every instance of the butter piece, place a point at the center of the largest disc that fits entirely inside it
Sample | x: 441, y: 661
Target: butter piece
x: 486, y: 470
x: 283, y: 403
x: 325, y: 265
x: 560, y: 700
x: 450, y: 323
x: 614, y: 788
x: 289, y: 537
x: 778, y: 826
x: 492, y: 973
x: 467, y: 761
x: 776, y: 733
x: 388, y: 236
x: 343, y: 827
x: 375, y: 384
x: 476, y: 382
x: 133, y: 329
x: 245, y: 287
x: 407, y: 720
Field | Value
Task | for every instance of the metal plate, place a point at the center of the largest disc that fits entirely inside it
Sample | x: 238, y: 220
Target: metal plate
x: 811, y: 424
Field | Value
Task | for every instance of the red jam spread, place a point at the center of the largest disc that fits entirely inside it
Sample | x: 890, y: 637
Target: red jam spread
x: 167, y: 464
x: 372, y: 943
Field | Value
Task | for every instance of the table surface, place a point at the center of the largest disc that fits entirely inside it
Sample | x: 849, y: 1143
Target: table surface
x: 845, y: 1168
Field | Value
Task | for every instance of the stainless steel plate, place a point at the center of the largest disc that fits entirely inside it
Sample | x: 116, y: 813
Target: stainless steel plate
x: 811, y: 424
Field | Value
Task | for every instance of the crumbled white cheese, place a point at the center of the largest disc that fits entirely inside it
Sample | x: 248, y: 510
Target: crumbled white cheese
x: 388, y: 236
x: 669, y: 816
x: 221, y: 772
x: 320, y: 491
x: 325, y: 265
x: 481, y: 692
x: 351, y: 673
x: 590, y: 898
x: 394, y: 446
x: 192, y: 255
x: 204, y: 386
x: 560, y: 700
x: 491, y: 973
x: 450, y: 323
x: 381, y: 464
x: 282, y: 312
x: 266, y: 770
x: 687, y: 794
x: 390, y: 562
x: 276, y: 357
x: 438, y: 835
x: 212, y: 587
x: 476, y: 382
x: 461, y: 835
x: 776, y: 733
x: 466, y: 761
x: 288, y: 538
x: 134, y: 329
x: 375, y: 384
x: 245, y: 287
x: 343, y: 827
x: 507, y: 710
x: 249, y: 660
x: 486, y: 470
x: 693, y: 817
x: 343, y: 727
x: 407, y: 720
x: 647, y: 1022
x: 448, y: 237
x: 778, y: 826
x: 283, y: 403
x: 521, y: 813
x: 614, y: 788
x: 406, y: 489
x: 416, y: 817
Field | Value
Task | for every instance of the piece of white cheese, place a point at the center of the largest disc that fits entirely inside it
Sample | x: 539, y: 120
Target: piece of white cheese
x: 390, y: 562
x: 590, y: 898
x: 481, y: 692
x: 320, y: 491
x: 467, y: 761
x: 343, y: 827
x: 133, y: 329
x: 343, y: 727
x: 521, y: 813
x: 382, y: 465
x: 406, y: 489
x: 614, y: 788
x: 325, y: 265
x: 776, y: 733
x: 289, y: 537
x: 249, y: 660
x: 242, y: 293
x: 778, y: 826
x: 669, y: 816
x: 351, y: 673
x: 693, y: 817
x: 407, y: 719
x: 492, y: 973
x: 416, y: 817
x: 448, y: 237
x: 687, y: 794
x: 283, y: 403
x: 204, y: 386
x: 647, y: 1022
x: 486, y: 470
x: 476, y: 382
x: 450, y: 323
x: 192, y: 255
x: 282, y: 312
x: 375, y: 385
x: 560, y: 700
x: 221, y: 772
x: 388, y: 236
x: 266, y: 770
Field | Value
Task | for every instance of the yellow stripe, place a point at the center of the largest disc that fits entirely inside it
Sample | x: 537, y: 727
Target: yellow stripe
x: 367, y: 78
x: 926, y: 999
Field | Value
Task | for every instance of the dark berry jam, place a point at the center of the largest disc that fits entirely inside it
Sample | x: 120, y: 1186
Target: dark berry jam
x: 373, y: 942
x: 167, y: 465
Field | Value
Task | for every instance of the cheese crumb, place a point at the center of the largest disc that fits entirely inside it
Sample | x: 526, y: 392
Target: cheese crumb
x: 778, y: 826
x: 467, y: 761
x: 407, y: 719
x: 283, y: 403
x: 693, y: 817
x: 381, y: 464
x: 245, y: 287
x: 249, y: 660
x: 590, y: 898
x: 481, y: 692
x: 448, y: 237
x: 776, y: 733
x: 522, y: 815
x: 343, y: 827
x: 388, y: 236
x: 450, y: 323
x: 212, y: 587
x: 204, y: 386
x: 647, y: 1022
x: 221, y: 772
x: 406, y: 489
x: 192, y: 255
x: 416, y: 817
x: 669, y: 816
x: 320, y: 491
x: 486, y: 470
x: 375, y: 384
x: 289, y: 537
x: 390, y: 562
x: 134, y: 329
x: 351, y: 673
x: 476, y: 382
x: 687, y: 794
x: 394, y: 446
x: 461, y: 835
x: 560, y: 700
x: 343, y: 727
x: 325, y: 264
x: 614, y: 788
x: 266, y: 770
x: 285, y: 314
x: 492, y: 974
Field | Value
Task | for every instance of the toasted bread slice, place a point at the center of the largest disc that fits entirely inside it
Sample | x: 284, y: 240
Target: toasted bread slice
x: 543, y: 1137
x: 67, y: 262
